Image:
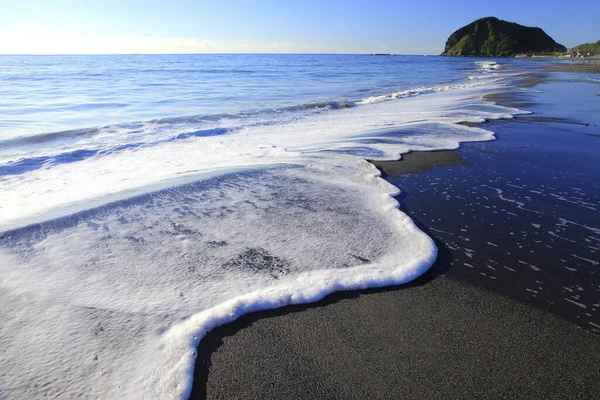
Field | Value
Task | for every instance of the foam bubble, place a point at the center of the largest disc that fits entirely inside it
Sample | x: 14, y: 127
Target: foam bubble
x: 120, y: 282
x: 391, y: 127
x: 111, y: 299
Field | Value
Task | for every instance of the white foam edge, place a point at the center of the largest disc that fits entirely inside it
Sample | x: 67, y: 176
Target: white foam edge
x: 112, y: 189
x: 181, y: 342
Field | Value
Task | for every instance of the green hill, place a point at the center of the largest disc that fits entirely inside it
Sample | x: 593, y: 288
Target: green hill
x: 493, y: 37
x: 593, y: 48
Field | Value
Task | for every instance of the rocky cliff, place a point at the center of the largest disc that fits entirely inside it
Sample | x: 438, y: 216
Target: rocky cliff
x: 493, y: 37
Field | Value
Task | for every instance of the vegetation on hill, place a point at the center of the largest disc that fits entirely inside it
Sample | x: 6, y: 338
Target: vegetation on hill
x: 492, y: 37
x: 593, y: 48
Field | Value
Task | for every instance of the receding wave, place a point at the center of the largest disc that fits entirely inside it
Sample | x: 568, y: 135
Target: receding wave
x: 116, y: 129
x: 121, y: 261
x: 41, y: 138
x: 333, y: 105
x: 124, y: 131
x: 23, y: 165
x: 415, y: 92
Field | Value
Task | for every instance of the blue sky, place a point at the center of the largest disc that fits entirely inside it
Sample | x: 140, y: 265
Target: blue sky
x: 304, y: 26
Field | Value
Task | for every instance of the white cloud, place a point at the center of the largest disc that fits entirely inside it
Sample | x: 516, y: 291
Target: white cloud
x: 31, y: 42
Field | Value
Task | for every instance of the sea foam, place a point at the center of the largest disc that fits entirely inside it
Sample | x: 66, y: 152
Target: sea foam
x: 113, y: 268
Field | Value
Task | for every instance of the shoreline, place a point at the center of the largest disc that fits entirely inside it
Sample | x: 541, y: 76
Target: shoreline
x: 562, y: 161
x: 587, y: 66
x: 435, y: 325
x: 414, y: 341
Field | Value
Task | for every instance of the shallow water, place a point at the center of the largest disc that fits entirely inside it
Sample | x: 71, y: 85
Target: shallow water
x: 525, y: 218
x: 147, y: 199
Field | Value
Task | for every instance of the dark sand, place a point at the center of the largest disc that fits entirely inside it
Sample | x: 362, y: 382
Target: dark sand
x: 507, y: 311
x: 521, y: 219
x: 591, y: 66
x: 412, y: 163
x: 441, y: 339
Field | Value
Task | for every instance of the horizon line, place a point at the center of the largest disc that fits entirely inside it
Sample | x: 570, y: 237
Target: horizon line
x: 216, y: 53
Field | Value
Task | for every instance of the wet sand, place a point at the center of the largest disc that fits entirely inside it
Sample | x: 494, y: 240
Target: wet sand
x: 416, y: 162
x: 509, y: 310
x: 438, y: 339
x: 591, y: 66
x: 521, y: 217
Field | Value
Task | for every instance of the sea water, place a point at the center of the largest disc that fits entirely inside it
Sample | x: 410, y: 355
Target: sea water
x: 145, y: 200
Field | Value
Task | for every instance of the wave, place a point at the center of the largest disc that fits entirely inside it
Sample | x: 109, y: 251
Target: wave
x: 488, y: 65
x: 417, y: 92
x: 483, y: 67
x: 114, y: 130
x: 183, y: 246
x: 127, y: 258
x: 24, y: 165
x: 46, y: 137
x: 27, y: 164
x: 235, y: 142
x: 141, y: 126
x: 84, y: 143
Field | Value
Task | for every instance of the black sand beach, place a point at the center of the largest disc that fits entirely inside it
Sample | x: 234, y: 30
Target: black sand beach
x: 509, y: 310
x: 590, y: 66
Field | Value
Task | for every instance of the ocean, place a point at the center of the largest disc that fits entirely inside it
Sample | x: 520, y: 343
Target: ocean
x: 146, y: 199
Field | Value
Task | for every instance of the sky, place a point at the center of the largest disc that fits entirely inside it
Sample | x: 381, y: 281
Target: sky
x: 270, y: 26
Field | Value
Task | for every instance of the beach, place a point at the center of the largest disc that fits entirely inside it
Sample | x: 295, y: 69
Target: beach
x: 130, y: 229
x: 509, y: 309
x: 591, y: 66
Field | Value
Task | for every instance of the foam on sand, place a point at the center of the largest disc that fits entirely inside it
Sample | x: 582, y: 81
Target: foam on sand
x: 156, y: 245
